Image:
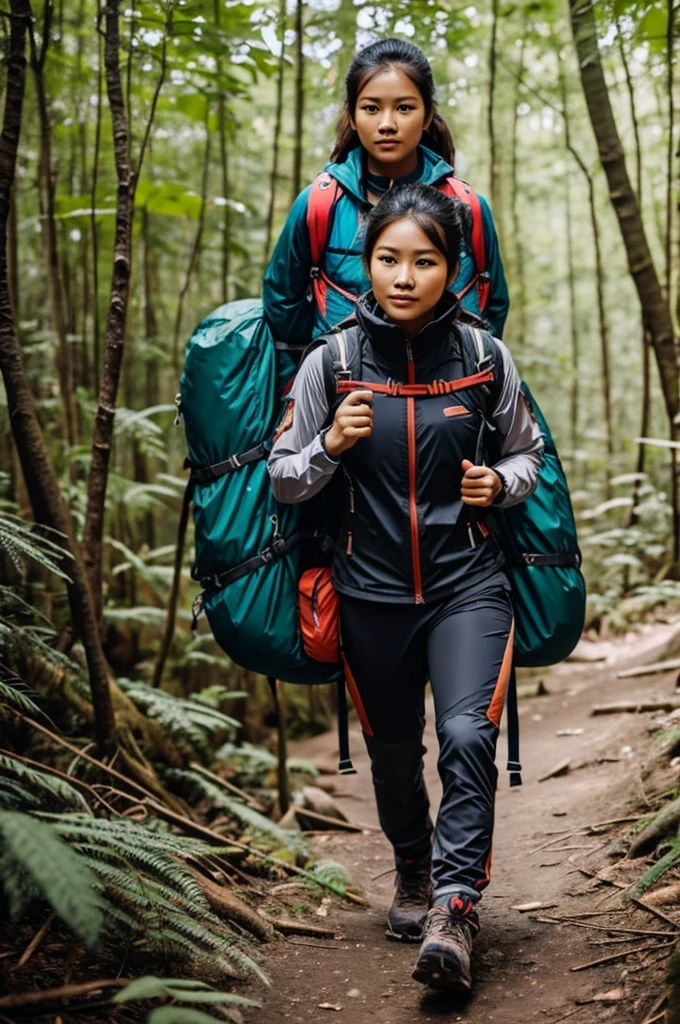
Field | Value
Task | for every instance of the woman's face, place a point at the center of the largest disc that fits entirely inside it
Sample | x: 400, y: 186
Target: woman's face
x: 389, y: 119
x: 408, y: 274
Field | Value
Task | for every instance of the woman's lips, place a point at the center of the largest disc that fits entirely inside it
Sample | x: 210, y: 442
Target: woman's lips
x: 388, y: 143
x: 402, y: 300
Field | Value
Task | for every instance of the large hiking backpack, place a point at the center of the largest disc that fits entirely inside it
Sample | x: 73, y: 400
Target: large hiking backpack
x: 250, y: 549
x: 321, y: 203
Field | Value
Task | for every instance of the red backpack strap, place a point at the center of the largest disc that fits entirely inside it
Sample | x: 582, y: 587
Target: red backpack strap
x: 322, y: 195
x: 466, y: 194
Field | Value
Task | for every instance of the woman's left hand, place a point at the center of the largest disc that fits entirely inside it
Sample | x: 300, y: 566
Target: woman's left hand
x: 480, y: 485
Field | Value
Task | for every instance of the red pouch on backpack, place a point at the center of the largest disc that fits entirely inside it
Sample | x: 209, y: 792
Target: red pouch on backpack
x: 319, y: 615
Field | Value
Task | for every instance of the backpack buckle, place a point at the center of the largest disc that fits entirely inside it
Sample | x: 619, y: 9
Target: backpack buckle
x: 485, y: 364
x: 341, y: 372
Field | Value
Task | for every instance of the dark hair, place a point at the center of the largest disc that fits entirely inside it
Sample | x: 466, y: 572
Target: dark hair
x: 444, y: 220
x: 367, y: 63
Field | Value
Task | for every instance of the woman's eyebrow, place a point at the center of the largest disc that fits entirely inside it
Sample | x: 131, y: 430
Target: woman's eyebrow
x: 381, y: 99
x: 416, y: 252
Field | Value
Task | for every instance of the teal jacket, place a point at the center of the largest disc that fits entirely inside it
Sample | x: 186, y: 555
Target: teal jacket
x: 295, y: 319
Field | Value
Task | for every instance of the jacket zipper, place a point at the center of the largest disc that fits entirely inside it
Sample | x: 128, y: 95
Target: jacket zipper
x: 413, y: 508
x: 350, y: 490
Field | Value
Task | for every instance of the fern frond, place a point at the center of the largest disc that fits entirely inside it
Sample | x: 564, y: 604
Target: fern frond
x: 12, y: 603
x: 658, y: 870
x: 15, y: 797
x: 20, y: 542
x: 56, y: 870
x: 247, y: 816
x: 184, y: 990
x: 50, y: 785
x: 14, y: 696
x: 187, y: 721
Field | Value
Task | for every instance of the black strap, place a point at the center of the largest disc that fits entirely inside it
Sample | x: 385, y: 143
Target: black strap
x: 208, y: 474
x: 514, y: 766
x: 345, y: 766
x: 558, y: 558
x: 279, y: 547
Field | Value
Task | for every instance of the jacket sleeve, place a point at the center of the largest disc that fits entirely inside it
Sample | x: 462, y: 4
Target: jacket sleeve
x: 498, y: 302
x: 298, y: 464
x: 520, y: 439
x: 287, y: 309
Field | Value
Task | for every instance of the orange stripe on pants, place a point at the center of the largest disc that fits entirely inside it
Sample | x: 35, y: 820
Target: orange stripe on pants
x: 495, y: 710
x: 356, y: 698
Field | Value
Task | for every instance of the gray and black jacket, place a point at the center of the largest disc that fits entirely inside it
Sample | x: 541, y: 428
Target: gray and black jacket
x: 406, y: 536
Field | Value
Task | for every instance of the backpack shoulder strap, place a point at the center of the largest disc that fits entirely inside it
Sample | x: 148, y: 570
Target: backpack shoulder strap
x: 323, y: 194
x: 465, y: 193
x: 342, y: 361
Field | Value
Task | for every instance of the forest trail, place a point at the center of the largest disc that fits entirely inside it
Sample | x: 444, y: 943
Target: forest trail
x: 521, y: 966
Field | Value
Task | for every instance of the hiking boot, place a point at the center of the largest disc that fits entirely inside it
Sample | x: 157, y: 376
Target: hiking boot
x: 411, y: 901
x: 444, y: 958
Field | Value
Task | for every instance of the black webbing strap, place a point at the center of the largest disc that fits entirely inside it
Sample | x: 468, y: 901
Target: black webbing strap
x: 279, y: 547
x: 558, y: 558
x: 208, y: 474
x: 345, y: 766
x: 514, y: 766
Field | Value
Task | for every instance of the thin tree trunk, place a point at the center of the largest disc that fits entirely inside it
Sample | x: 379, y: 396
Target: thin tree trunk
x: 41, y: 482
x: 13, y: 257
x: 516, y: 223
x: 299, y: 99
x: 224, y: 165
x: 195, y: 249
x: 670, y: 152
x: 53, y: 263
x: 633, y: 111
x: 96, y: 341
x: 575, y: 397
x: 116, y: 319
x: 494, y: 171
x: 645, y: 415
x: 655, y: 305
x: 277, y: 133
x: 603, y: 324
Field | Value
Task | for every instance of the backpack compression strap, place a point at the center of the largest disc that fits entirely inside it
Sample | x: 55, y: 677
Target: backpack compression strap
x: 438, y: 387
x: 466, y: 194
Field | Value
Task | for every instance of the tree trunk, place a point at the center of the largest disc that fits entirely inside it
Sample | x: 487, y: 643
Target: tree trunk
x: 53, y: 266
x: 633, y: 112
x: 575, y: 397
x: 224, y: 166
x: 670, y: 153
x: 116, y: 319
x: 195, y: 249
x: 494, y: 170
x: 603, y: 324
x: 96, y: 342
x: 655, y: 306
x: 41, y: 482
x: 299, y: 99
x: 516, y: 223
x: 13, y: 258
x: 277, y: 133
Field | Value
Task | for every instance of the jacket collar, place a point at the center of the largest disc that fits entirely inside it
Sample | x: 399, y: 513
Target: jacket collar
x: 350, y: 174
x: 388, y: 339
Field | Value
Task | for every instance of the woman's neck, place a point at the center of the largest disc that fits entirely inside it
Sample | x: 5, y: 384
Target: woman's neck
x: 393, y: 170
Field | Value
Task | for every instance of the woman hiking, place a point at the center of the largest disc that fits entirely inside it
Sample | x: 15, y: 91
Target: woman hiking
x: 389, y: 133
x: 420, y: 579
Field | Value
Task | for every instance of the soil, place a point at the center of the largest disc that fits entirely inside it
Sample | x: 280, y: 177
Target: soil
x: 522, y: 966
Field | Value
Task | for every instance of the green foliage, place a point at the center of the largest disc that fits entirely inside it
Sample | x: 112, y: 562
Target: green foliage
x: 198, y: 785
x: 658, y: 870
x: 190, y: 723
x: 34, y: 859
x: 253, y: 764
x: 181, y: 989
x: 22, y: 541
x: 48, y: 790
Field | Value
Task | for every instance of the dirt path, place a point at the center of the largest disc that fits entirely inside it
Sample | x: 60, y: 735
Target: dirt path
x: 522, y: 967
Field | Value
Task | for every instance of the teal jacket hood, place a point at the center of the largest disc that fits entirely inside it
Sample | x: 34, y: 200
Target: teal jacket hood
x: 349, y: 173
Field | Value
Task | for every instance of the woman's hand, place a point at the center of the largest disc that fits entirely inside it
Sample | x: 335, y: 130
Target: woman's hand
x: 480, y: 485
x: 353, y: 419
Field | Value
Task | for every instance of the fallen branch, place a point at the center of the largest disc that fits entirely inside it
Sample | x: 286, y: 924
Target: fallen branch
x: 57, y: 995
x: 334, y: 824
x: 251, y: 800
x: 654, y: 668
x: 298, y: 927
x: 607, y: 928
x: 663, y: 824
x: 227, y: 905
x: 614, y: 956
x: 35, y: 942
x: 652, y: 910
x: 635, y: 707
x: 560, y: 769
